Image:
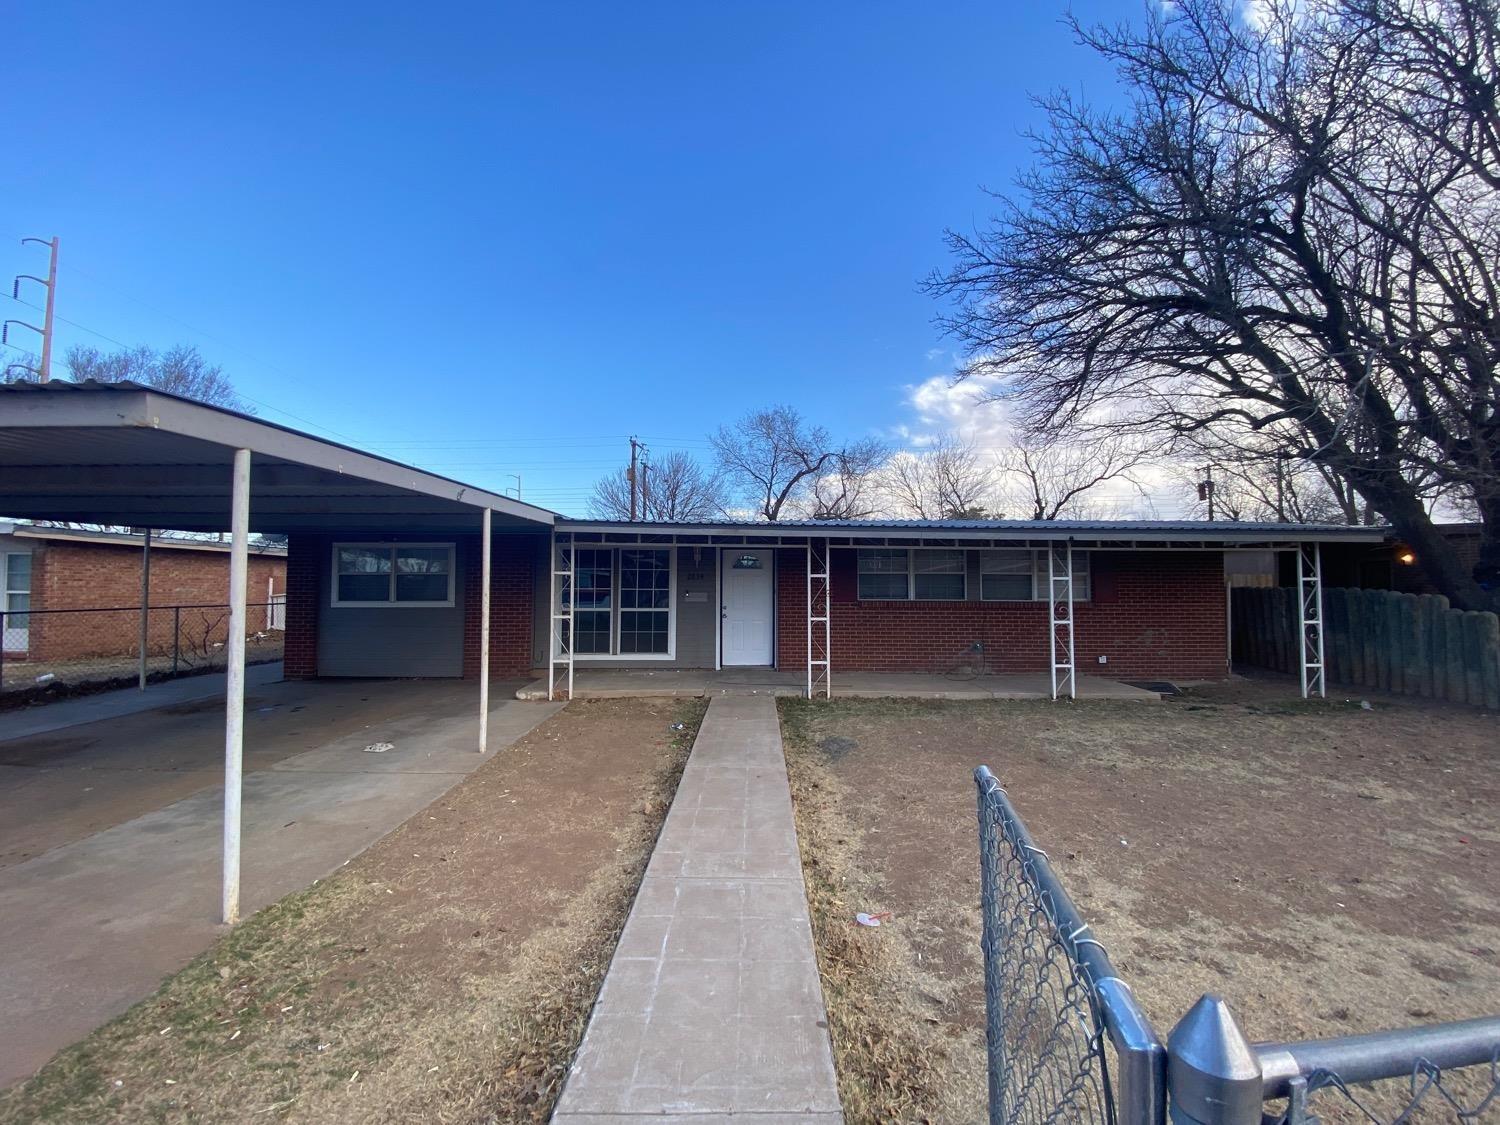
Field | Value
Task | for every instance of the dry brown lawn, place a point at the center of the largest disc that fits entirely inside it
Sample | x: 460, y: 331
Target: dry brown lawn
x: 444, y: 975
x: 1327, y: 869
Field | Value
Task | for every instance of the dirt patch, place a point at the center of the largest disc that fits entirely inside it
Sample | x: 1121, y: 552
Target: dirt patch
x: 446, y: 974
x: 1328, y: 869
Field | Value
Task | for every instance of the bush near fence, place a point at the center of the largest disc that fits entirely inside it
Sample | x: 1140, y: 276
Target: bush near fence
x: 1407, y: 644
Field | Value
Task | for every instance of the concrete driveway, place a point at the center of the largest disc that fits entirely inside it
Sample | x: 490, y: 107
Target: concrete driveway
x: 110, y: 831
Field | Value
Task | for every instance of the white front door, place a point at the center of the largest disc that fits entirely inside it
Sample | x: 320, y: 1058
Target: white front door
x: 748, y: 607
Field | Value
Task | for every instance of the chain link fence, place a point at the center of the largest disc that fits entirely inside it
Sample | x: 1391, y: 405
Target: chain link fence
x: 54, y: 653
x: 1427, y: 1094
x: 1068, y: 1044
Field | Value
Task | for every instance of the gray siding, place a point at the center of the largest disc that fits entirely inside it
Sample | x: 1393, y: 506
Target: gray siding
x: 389, y: 641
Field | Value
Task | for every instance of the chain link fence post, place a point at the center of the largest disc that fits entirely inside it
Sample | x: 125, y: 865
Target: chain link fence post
x: 991, y: 943
x: 1213, y: 1073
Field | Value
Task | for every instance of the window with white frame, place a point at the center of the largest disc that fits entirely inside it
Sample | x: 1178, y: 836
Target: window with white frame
x: 939, y: 576
x: 15, y: 598
x: 393, y: 574
x: 1006, y: 576
x: 1022, y: 576
x: 624, y: 601
x: 919, y: 574
x: 884, y: 574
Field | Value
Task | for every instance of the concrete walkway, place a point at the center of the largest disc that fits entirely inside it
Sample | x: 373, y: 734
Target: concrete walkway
x: 48, y: 717
x: 712, y: 1007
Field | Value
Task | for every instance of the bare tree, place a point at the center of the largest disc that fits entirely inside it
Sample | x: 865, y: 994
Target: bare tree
x: 679, y: 490
x: 1046, y: 480
x: 848, y: 489
x: 950, y: 481
x: 180, y: 370
x: 1291, y: 234
x: 776, y: 460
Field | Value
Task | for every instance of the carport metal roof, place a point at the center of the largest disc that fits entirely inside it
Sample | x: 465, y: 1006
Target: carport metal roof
x: 122, y: 453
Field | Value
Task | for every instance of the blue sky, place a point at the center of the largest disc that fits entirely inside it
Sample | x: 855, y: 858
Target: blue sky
x: 500, y: 238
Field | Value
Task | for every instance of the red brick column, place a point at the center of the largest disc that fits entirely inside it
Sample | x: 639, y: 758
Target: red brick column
x: 511, y: 593
x: 305, y: 555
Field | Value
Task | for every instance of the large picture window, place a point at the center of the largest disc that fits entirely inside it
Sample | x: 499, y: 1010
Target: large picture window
x: 624, y: 601
x: 391, y: 574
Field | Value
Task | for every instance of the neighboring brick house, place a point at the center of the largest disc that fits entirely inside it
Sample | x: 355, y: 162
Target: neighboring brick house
x: 49, y: 568
x: 958, y: 598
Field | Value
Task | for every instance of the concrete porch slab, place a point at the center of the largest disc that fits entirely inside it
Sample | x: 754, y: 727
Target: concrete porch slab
x: 614, y: 683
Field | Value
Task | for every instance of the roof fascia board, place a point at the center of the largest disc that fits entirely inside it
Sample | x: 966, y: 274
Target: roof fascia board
x: 877, y: 531
x: 145, y: 409
x: 104, y: 539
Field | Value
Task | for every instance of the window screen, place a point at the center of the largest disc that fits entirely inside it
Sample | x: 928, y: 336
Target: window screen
x: 939, y: 575
x: 883, y: 573
x: 1005, y: 576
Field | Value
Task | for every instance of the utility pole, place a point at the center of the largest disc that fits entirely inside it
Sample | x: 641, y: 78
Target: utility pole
x: 517, y: 477
x: 645, y: 489
x: 1206, y: 490
x: 630, y: 474
x: 45, y: 330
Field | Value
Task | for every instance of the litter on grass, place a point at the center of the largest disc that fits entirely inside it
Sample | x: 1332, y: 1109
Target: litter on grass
x: 873, y: 920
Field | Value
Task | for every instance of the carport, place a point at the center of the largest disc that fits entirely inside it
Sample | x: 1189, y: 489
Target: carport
x: 125, y: 454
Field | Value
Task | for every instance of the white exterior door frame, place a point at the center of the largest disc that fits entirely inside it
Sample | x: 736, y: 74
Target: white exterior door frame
x: 737, y: 646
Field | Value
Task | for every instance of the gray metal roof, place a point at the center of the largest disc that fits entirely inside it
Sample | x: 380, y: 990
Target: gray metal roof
x: 123, y: 453
x: 1122, y: 530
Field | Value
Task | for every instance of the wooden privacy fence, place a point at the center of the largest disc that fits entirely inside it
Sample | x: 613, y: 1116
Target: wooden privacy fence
x: 1409, y: 644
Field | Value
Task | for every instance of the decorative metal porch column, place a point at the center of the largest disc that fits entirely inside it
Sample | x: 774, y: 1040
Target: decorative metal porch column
x: 819, y: 625
x: 1060, y: 626
x: 560, y: 651
x: 1310, y: 618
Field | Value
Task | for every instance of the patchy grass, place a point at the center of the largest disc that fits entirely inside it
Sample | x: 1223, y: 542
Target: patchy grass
x: 444, y: 975
x: 1329, y: 869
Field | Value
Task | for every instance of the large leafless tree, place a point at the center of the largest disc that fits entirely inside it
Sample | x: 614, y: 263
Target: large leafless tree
x: 1291, y: 234
x: 779, y: 464
x: 181, y: 370
x: 952, y: 480
x: 677, y: 489
x: 1044, y: 480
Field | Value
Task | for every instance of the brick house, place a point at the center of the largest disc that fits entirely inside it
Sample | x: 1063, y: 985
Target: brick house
x: 1147, y: 598
x: 51, y: 568
x: 384, y: 562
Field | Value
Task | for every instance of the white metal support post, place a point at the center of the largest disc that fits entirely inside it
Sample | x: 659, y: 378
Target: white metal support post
x: 145, y: 605
x: 819, y: 625
x: 484, y: 631
x: 1060, y: 598
x: 234, y: 697
x: 1310, y: 618
x: 562, y: 592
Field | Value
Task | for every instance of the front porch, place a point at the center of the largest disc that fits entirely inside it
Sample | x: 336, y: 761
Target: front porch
x: 615, y: 683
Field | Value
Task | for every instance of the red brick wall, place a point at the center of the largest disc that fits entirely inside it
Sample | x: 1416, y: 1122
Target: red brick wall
x: 305, y: 556
x: 108, y: 576
x: 512, y: 558
x: 1154, y: 614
